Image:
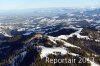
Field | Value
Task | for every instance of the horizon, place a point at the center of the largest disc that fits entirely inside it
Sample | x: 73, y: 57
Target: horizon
x: 6, y: 5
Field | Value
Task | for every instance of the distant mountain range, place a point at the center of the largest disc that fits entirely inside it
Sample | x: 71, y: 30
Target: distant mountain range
x: 39, y: 11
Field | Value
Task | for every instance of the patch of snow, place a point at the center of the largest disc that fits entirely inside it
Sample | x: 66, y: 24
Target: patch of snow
x: 77, y: 33
x: 27, y: 33
x: 94, y: 15
x: 97, y: 40
x: 98, y: 21
x: 21, y: 29
x: 46, y: 51
x: 89, y: 20
x: 52, y: 39
x: 39, y: 18
x: 73, y: 54
x: 70, y: 45
x: 97, y: 27
x: 55, y: 17
x: 70, y: 14
x: 93, y: 63
x: 5, y: 34
x: 63, y: 37
x: 38, y: 27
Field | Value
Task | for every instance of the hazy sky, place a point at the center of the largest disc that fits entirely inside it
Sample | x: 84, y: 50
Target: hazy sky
x: 27, y: 4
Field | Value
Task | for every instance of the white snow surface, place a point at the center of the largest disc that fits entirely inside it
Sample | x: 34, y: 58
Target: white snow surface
x: 27, y: 33
x: 46, y: 51
x: 70, y: 45
x: 77, y: 33
x: 93, y: 63
x: 21, y: 29
x: 73, y: 54
x: 5, y: 34
x: 54, y: 39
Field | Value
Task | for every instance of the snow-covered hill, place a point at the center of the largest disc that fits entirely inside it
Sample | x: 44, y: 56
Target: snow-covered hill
x: 30, y: 40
